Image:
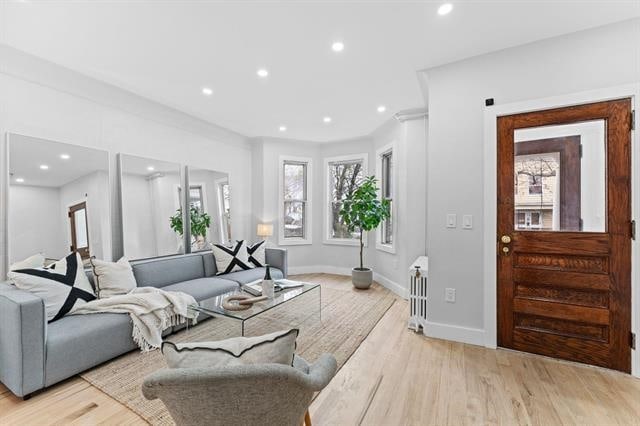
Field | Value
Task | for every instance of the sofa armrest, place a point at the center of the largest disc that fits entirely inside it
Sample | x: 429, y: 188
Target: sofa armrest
x: 22, y: 340
x: 277, y: 258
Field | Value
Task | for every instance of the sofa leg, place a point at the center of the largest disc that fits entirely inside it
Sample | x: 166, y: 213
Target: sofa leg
x: 27, y: 397
x: 307, y: 419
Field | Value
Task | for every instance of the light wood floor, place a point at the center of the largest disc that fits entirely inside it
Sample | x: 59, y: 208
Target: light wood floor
x: 398, y: 377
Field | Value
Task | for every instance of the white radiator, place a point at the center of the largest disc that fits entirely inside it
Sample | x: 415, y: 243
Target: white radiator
x: 418, y: 279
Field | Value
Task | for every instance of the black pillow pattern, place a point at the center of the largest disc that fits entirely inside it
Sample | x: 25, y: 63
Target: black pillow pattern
x: 63, y: 286
x: 256, y: 254
x: 230, y: 259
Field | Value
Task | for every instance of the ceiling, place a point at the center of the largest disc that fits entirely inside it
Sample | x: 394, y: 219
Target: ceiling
x: 169, y: 50
x: 27, y: 154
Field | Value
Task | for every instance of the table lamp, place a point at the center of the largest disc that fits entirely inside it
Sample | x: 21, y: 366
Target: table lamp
x: 265, y: 230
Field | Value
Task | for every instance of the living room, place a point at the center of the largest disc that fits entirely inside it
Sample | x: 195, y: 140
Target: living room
x: 485, y: 273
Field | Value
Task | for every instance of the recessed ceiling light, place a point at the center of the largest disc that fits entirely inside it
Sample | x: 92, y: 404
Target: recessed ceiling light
x: 151, y: 168
x: 382, y: 108
x: 338, y: 46
x: 445, y: 9
x: 283, y: 128
x: 262, y: 73
x: 44, y: 167
x: 207, y: 91
x: 65, y: 156
x: 327, y: 119
x: 19, y: 180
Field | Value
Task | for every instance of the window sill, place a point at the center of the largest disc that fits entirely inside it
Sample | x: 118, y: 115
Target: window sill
x: 295, y: 242
x: 343, y: 242
x: 388, y: 248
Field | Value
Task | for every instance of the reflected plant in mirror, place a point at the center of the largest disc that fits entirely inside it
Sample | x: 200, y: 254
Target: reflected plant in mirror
x: 199, y: 224
x: 58, y: 200
x: 209, y: 208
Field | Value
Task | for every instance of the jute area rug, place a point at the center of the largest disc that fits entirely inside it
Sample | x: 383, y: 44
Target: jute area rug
x: 348, y: 316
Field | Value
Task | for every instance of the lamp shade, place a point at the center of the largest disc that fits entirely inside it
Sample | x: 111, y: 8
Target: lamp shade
x: 264, y: 230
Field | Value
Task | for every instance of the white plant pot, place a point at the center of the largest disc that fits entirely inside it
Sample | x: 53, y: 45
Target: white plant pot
x: 362, y: 278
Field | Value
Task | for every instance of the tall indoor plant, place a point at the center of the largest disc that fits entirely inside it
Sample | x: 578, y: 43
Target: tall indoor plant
x: 362, y: 211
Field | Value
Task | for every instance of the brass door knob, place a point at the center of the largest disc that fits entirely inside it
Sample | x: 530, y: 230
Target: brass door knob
x: 505, y: 239
x: 505, y: 250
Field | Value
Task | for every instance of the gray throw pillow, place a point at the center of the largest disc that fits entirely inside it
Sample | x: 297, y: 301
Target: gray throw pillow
x: 274, y: 348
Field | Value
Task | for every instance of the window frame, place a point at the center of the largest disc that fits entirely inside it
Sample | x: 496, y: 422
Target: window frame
x: 327, y: 239
x: 308, y: 228
x: 380, y: 153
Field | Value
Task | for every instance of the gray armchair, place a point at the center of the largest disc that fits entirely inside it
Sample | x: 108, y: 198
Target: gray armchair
x: 264, y: 394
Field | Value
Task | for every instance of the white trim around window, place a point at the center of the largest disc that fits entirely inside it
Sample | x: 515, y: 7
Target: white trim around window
x: 327, y: 239
x: 306, y: 240
x: 389, y: 148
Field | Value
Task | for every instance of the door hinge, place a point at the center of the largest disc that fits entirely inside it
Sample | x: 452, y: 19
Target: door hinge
x: 580, y: 150
x: 632, y: 228
x: 633, y: 119
x: 632, y: 340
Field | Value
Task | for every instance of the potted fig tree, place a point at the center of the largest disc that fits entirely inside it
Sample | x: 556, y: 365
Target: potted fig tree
x: 362, y: 211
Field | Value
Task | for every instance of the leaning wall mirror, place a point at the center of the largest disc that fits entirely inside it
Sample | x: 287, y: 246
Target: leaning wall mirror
x: 151, y: 207
x: 209, y: 209
x: 58, y: 200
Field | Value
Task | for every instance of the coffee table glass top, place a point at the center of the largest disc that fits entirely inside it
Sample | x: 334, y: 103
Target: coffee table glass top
x: 213, y: 305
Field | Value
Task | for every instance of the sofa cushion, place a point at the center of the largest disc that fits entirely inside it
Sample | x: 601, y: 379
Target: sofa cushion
x: 204, y: 288
x: 169, y: 270
x: 209, y: 262
x: 245, y: 277
x: 78, y: 342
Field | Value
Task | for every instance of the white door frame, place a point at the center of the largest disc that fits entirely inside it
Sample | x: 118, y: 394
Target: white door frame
x: 490, y: 199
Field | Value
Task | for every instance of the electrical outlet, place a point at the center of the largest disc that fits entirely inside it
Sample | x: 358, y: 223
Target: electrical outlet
x: 450, y: 295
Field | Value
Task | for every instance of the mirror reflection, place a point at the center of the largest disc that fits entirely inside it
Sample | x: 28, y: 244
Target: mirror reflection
x: 209, y: 208
x: 151, y: 207
x: 559, y: 177
x: 58, y: 200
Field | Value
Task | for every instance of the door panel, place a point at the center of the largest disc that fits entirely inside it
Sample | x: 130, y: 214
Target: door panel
x: 564, y: 292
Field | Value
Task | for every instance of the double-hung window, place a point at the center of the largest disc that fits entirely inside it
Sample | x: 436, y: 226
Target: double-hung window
x: 343, y: 176
x: 295, y: 201
x: 386, y: 182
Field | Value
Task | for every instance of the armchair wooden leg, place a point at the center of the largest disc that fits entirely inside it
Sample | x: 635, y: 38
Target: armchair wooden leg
x: 307, y: 419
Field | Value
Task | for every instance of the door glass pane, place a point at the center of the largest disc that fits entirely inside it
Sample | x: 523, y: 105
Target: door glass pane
x: 80, y: 220
x: 560, y: 177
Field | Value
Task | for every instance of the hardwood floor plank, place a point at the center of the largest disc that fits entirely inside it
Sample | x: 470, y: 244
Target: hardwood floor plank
x: 399, y: 377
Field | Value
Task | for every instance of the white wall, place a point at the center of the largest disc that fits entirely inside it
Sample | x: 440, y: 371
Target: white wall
x: 592, y: 59
x: 34, y: 219
x: 137, y: 220
x: 44, y: 100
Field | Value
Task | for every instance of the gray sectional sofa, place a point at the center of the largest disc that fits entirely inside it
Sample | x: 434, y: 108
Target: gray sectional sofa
x: 34, y: 354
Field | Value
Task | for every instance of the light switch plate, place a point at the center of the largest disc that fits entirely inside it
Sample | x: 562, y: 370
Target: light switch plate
x: 451, y: 220
x: 467, y: 221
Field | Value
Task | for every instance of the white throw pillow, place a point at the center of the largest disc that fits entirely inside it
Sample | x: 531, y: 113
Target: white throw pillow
x: 35, y: 261
x: 230, y: 259
x: 63, y: 286
x: 274, y: 348
x: 111, y: 278
x: 257, y: 254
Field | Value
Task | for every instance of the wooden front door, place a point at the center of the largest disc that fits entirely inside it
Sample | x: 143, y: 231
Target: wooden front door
x: 564, y: 233
x: 79, y: 229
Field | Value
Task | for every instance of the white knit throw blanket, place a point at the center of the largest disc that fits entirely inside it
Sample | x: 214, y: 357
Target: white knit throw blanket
x: 151, y: 309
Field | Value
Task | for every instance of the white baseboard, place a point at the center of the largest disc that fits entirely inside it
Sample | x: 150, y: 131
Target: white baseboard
x: 327, y: 269
x: 473, y: 336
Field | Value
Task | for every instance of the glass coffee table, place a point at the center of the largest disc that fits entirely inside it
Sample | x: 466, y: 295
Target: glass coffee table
x: 288, y: 309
